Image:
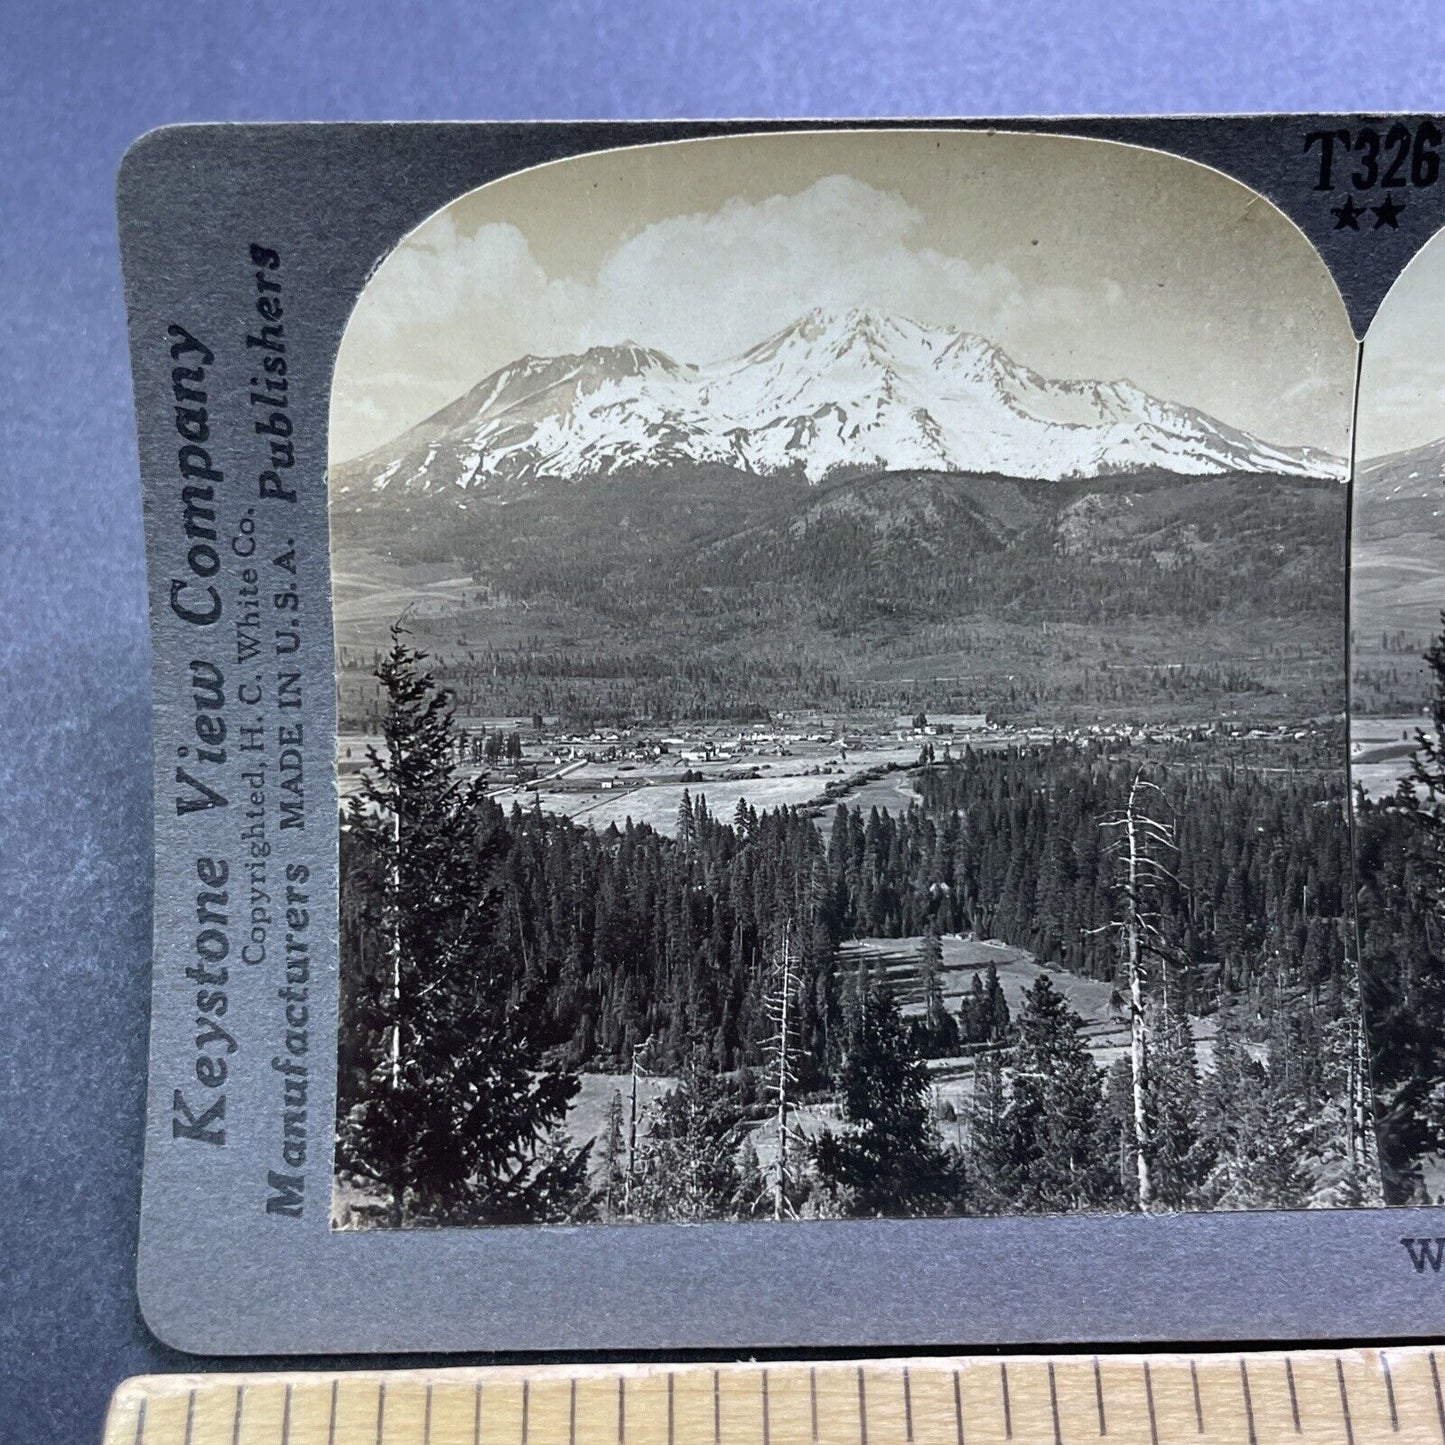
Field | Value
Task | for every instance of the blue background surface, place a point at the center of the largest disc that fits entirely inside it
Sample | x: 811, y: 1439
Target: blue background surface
x: 77, y: 84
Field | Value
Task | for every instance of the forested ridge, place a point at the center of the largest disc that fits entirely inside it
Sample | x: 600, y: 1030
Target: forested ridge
x: 703, y: 593
x: 566, y: 950
x: 643, y: 551
x: 1010, y: 671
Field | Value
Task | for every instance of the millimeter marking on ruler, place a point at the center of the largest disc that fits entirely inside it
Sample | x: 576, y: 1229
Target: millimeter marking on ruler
x: 1344, y: 1401
x: 1248, y: 1399
x: 1302, y: 1397
x: 1439, y: 1403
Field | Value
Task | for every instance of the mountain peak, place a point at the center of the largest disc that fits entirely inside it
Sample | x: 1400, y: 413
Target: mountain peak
x: 834, y: 320
x: 837, y: 327
x: 630, y: 357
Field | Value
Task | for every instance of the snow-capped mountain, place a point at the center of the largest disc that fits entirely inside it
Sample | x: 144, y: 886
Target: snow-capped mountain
x: 1400, y: 503
x: 854, y: 390
x: 1400, y: 476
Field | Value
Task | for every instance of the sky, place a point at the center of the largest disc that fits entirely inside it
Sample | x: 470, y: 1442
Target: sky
x: 1402, y: 371
x: 1083, y: 259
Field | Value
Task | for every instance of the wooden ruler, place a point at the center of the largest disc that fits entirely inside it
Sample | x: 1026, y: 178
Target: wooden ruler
x: 1296, y: 1397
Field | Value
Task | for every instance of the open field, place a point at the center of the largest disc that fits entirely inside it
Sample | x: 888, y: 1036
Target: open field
x: 1380, y: 749
x: 587, y: 1117
x: 371, y: 593
x: 655, y: 803
x: 892, y: 793
x: 1397, y: 587
x: 896, y: 959
x: 598, y: 792
x: 1106, y: 1031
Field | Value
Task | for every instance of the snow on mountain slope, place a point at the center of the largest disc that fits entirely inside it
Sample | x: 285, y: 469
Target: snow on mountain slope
x: 1418, y: 473
x: 858, y: 390
x: 1399, y: 505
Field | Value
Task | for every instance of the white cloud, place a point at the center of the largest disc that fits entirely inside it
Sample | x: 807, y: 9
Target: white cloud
x: 1307, y: 386
x: 707, y: 286
x: 1402, y: 380
x: 1402, y: 403
x: 447, y: 308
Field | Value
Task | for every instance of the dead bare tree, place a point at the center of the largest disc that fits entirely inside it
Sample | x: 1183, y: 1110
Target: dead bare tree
x: 780, y: 1071
x: 1144, y: 846
x: 638, y: 1070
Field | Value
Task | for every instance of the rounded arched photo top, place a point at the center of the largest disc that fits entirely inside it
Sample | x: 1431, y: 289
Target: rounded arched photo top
x: 1402, y: 367
x: 1122, y: 307
x: 1397, y: 549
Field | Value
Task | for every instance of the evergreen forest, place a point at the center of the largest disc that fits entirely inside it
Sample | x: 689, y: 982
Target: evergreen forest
x: 494, y: 960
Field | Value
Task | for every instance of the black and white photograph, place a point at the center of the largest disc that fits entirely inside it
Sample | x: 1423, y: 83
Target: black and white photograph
x: 844, y: 695
x: 1397, y: 718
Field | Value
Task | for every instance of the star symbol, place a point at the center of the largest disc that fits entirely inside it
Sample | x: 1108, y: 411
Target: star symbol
x: 1387, y: 213
x: 1348, y: 215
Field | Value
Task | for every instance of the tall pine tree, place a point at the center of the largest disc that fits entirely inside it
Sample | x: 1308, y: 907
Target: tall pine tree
x: 889, y: 1162
x: 451, y: 1110
x: 1061, y: 1158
